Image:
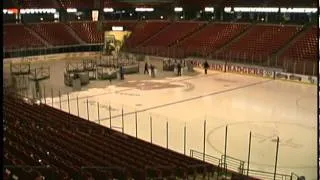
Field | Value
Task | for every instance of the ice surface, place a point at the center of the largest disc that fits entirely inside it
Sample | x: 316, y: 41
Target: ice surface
x: 267, y: 108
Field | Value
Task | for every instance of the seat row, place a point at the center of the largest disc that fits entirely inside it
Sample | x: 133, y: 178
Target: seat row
x: 19, y: 36
x: 51, y: 137
x: 257, y: 44
x: 305, y: 47
x: 262, y: 40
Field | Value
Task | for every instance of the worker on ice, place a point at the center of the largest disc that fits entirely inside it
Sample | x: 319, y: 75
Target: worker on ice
x: 153, y: 75
x: 179, y: 69
x: 206, y: 66
x: 146, y: 69
x: 121, y: 73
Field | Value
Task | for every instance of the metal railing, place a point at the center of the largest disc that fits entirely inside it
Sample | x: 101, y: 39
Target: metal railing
x: 238, y: 167
x: 267, y: 175
x: 233, y: 164
x: 208, y: 158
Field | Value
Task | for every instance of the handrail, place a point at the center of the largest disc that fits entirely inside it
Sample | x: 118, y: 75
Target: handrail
x: 232, y: 163
x: 208, y: 158
x: 294, y: 176
x: 267, y: 175
x: 229, y: 157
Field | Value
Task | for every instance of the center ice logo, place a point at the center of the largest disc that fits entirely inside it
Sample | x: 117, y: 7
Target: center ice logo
x: 102, y: 106
x: 273, y: 139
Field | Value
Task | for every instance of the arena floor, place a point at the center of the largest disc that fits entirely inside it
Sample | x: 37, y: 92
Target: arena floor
x: 267, y: 108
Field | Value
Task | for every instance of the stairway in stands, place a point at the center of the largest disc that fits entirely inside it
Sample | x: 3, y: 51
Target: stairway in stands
x: 56, y: 3
x: 154, y: 35
x: 189, y: 34
x: 16, y: 3
x: 74, y: 35
x: 236, y: 38
x: 297, y: 36
x: 37, y: 35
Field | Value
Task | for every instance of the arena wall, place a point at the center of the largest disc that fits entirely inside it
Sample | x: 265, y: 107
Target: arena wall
x: 264, y: 72
x: 49, y: 57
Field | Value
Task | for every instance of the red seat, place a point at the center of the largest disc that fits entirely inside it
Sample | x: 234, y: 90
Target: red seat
x: 38, y: 4
x: 87, y: 31
x: 305, y: 48
x: 143, y: 31
x: 210, y: 38
x: 49, y: 31
x: 260, y: 42
x: 67, y: 148
x: 16, y: 36
x: 173, y: 33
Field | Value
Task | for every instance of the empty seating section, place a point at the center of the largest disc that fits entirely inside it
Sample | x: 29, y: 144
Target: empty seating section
x: 260, y: 42
x: 38, y: 135
x: 8, y: 4
x: 127, y: 25
x: 87, y: 31
x: 246, y: 3
x: 270, y: 3
x: 257, y: 45
x: 38, y: 4
x: 305, y: 48
x: 54, y: 33
x: 15, y: 36
x: 211, y: 37
x: 293, y: 3
x: 203, y: 3
x: 301, y: 57
x: 89, y: 4
x: 113, y: 3
x: 143, y: 31
x: 173, y: 34
x: 81, y: 4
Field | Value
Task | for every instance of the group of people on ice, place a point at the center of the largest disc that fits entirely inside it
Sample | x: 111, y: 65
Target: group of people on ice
x: 178, y: 66
x: 152, y: 69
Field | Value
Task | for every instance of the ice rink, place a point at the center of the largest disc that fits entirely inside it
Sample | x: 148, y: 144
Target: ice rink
x: 268, y: 108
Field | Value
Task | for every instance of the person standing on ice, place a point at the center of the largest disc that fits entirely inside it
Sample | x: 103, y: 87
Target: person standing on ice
x: 179, y: 69
x: 146, y: 69
x: 206, y: 66
x: 152, y: 71
x: 121, y: 73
